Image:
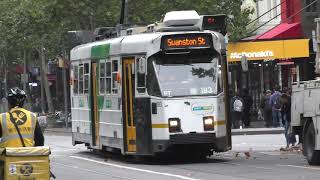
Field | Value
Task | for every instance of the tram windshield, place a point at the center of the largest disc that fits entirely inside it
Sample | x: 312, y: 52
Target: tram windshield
x: 193, y: 74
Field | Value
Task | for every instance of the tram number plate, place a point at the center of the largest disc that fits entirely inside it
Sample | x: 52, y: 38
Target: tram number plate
x: 206, y: 90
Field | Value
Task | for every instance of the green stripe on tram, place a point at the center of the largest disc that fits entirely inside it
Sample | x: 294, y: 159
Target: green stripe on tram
x: 100, y: 102
x: 100, y: 51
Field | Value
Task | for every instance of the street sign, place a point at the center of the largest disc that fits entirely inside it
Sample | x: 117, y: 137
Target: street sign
x: 244, y: 64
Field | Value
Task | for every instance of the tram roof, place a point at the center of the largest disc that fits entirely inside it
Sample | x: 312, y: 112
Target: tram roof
x: 147, y: 43
x: 133, y: 44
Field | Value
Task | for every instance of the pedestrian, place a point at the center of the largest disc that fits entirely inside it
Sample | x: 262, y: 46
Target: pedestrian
x: 286, y: 118
x: 19, y: 127
x: 247, y: 103
x: 276, y: 107
x: 266, y: 108
x: 236, y: 110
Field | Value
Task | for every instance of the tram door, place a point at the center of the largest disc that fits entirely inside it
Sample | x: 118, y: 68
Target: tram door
x: 94, y: 105
x: 128, y: 96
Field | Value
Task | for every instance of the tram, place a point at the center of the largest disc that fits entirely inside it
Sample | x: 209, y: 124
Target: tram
x: 153, y: 92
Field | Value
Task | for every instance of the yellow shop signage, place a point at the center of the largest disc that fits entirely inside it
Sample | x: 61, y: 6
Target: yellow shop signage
x: 260, y: 54
x: 266, y: 50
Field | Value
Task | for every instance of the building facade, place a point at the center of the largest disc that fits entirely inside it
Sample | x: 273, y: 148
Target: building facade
x: 268, y: 12
x: 280, y: 52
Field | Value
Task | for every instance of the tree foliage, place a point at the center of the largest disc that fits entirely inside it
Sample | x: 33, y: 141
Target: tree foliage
x: 25, y: 24
x: 144, y: 12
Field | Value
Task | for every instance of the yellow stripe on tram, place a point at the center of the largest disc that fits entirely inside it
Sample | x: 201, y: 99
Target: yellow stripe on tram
x: 219, y: 123
x: 160, y: 125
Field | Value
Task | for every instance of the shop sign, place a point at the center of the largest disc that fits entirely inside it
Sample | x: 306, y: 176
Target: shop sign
x: 266, y: 50
x: 260, y: 54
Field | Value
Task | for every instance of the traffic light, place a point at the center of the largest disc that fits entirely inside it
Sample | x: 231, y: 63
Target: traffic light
x: 215, y: 23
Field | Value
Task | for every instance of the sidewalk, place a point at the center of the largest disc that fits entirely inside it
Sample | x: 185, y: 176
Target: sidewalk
x: 57, y: 130
x: 246, y: 131
x: 257, y: 131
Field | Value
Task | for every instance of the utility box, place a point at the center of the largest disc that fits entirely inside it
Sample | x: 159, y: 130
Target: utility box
x: 25, y: 163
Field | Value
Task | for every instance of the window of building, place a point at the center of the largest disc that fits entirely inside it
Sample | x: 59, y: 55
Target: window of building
x: 114, y: 77
x: 275, y: 10
x: 76, y: 80
x: 311, y: 8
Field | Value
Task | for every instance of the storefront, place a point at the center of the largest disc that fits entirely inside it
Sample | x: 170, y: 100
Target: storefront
x: 270, y: 63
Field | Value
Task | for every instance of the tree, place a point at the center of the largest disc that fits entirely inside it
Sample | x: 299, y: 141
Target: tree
x: 27, y: 25
x: 144, y: 12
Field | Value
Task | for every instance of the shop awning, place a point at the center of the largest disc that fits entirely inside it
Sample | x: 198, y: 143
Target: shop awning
x: 282, y: 31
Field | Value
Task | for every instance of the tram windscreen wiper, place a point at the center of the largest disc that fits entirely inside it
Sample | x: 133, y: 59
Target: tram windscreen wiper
x: 177, y: 52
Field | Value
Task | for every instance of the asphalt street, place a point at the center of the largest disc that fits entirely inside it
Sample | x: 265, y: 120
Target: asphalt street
x: 252, y: 157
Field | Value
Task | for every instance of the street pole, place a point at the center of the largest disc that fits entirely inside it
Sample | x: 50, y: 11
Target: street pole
x: 65, y: 88
x: 123, y: 4
x: 24, y: 71
x: 42, y: 93
x: 124, y: 12
x: 5, y: 81
x: 317, y: 44
x: 45, y: 81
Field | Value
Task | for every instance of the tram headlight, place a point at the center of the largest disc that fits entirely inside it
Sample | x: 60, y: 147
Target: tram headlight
x: 174, y: 125
x: 208, y: 123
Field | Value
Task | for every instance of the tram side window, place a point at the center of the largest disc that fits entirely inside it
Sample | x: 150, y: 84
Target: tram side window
x: 114, y: 77
x: 86, y: 78
x: 81, y: 79
x: 152, y: 82
x: 102, y: 77
x: 76, y: 80
x: 141, y: 75
x: 108, y: 77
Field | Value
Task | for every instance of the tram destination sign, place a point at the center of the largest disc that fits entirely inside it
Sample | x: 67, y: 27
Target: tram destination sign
x: 185, y: 41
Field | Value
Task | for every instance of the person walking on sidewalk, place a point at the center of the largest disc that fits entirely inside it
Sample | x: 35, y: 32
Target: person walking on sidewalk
x: 266, y: 108
x: 247, y: 103
x: 276, y: 107
x: 286, y: 118
x: 236, y: 110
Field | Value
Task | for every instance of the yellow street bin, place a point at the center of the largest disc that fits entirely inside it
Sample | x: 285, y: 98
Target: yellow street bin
x: 25, y: 163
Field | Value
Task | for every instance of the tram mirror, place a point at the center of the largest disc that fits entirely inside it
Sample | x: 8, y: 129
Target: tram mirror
x: 142, y: 65
x: 220, y: 78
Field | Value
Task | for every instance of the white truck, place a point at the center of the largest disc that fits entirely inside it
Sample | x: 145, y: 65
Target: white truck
x: 305, y: 110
